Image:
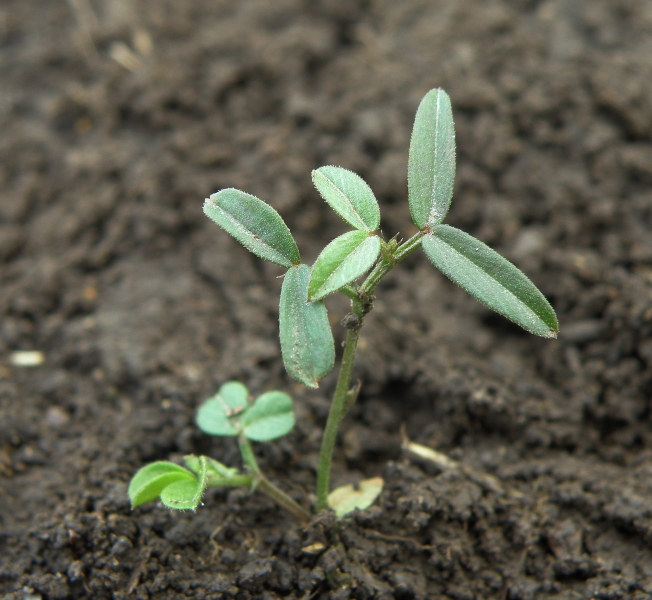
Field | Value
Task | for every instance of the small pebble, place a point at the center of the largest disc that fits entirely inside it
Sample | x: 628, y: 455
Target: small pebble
x: 27, y: 358
x: 56, y: 416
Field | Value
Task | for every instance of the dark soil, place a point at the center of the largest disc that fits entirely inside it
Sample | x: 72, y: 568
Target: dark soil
x: 118, y: 122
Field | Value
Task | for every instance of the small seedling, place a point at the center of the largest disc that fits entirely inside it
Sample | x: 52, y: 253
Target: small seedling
x: 307, y: 345
x: 228, y: 413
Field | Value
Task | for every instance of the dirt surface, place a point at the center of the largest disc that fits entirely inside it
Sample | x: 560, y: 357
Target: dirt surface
x: 119, y: 118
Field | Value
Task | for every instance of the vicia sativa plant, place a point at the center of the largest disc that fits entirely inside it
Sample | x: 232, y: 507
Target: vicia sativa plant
x: 306, y: 339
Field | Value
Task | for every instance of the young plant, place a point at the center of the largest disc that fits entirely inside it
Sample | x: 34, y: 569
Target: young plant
x: 228, y: 413
x: 307, y: 345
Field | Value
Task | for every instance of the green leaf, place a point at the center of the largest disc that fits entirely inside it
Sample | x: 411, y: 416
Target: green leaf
x: 182, y: 495
x: 345, y: 259
x: 192, y: 462
x: 235, y: 394
x: 255, y: 224
x: 306, y: 338
x: 349, y: 196
x: 269, y: 417
x: 346, y: 499
x: 186, y: 494
x: 148, y: 483
x: 431, y: 164
x: 490, y: 278
x: 215, y: 416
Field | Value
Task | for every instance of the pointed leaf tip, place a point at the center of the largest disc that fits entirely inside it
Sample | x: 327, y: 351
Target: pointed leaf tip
x: 349, y: 196
x: 491, y: 279
x: 255, y: 224
x: 345, y: 259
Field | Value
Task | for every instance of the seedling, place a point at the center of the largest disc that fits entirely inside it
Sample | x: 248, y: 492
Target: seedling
x: 307, y: 345
x: 228, y: 413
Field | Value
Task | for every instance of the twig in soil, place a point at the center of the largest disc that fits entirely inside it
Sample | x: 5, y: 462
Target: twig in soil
x: 372, y: 533
x: 445, y: 463
x: 125, y: 56
x: 211, y: 537
x: 138, y: 571
x: 88, y: 23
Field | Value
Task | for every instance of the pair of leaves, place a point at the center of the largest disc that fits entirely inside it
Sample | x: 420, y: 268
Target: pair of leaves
x: 259, y: 228
x: 346, y: 258
x: 306, y: 338
x: 350, y: 255
x: 176, y: 486
x: 307, y: 342
x: 229, y: 413
x: 474, y: 266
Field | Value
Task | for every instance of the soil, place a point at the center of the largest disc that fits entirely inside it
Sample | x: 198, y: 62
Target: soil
x: 119, y: 118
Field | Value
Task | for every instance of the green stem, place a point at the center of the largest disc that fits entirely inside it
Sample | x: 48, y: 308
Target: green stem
x: 235, y: 481
x: 349, y: 291
x: 343, y: 400
x: 335, y: 416
x: 247, y: 453
x: 282, y: 499
x: 259, y: 481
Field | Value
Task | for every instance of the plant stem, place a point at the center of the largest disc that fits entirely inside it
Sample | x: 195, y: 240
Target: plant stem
x: 281, y: 498
x: 361, y: 304
x: 349, y: 291
x: 235, y: 481
x: 258, y: 480
x: 247, y: 453
x: 335, y: 416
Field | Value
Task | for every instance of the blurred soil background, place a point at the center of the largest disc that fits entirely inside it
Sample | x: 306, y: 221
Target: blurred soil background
x: 119, y: 117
